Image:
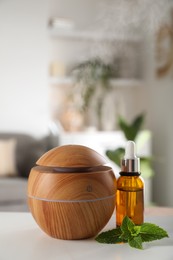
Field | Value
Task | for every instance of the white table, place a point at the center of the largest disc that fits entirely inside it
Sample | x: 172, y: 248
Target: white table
x: 22, y: 239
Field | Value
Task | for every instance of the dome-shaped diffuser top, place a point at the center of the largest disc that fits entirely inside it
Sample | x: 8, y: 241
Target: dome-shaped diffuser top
x: 71, y: 156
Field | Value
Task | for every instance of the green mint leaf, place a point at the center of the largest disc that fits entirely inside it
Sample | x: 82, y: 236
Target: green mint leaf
x: 125, y: 236
x: 110, y: 236
x: 136, y: 242
x: 133, y: 234
x: 127, y: 228
x: 135, y: 231
x: 150, y: 232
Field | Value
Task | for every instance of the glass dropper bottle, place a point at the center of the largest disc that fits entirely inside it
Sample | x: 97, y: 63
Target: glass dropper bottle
x: 130, y: 188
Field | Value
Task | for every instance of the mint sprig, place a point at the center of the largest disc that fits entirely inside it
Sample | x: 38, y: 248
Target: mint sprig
x: 135, y: 235
x: 110, y: 237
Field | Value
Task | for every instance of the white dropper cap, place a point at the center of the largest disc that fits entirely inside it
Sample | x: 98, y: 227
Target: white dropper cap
x: 130, y: 163
x: 130, y: 151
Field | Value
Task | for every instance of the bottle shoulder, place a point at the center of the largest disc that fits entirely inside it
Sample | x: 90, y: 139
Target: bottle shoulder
x: 134, y: 182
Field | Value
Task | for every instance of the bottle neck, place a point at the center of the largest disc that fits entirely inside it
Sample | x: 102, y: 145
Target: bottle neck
x: 130, y: 167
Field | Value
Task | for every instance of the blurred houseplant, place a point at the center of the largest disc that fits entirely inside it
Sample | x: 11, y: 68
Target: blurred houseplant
x: 131, y: 132
x: 92, y: 77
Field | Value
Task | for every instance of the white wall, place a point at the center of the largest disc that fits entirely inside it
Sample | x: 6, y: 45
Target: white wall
x: 162, y: 126
x: 160, y: 107
x: 99, y: 16
x: 23, y: 66
x: 155, y: 97
x: 159, y: 104
x: 25, y: 53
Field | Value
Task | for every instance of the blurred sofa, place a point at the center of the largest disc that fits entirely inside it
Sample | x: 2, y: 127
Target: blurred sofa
x: 19, y: 151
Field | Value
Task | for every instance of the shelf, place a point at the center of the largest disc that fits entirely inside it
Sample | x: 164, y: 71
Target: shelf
x: 123, y: 83
x: 61, y: 80
x: 92, y: 35
x: 117, y: 83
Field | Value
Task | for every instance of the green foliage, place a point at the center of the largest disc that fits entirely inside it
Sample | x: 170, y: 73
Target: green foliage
x: 146, y: 167
x: 135, y: 235
x: 127, y: 228
x: 116, y: 155
x: 110, y: 237
x: 92, y: 74
x: 135, y: 242
x: 150, y: 232
x: 131, y: 130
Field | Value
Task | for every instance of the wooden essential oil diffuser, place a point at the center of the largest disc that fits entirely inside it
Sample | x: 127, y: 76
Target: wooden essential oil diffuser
x: 71, y: 194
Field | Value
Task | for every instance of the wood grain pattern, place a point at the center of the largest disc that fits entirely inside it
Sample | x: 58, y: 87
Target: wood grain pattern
x: 71, y: 156
x: 71, y: 186
x: 71, y: 205
x: 71, y: 220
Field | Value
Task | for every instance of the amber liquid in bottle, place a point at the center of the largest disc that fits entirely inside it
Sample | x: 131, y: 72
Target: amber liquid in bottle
x: 130, y: 199
x: 130, y: 187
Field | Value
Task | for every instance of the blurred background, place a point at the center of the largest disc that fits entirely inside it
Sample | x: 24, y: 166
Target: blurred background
x: 94, y: 72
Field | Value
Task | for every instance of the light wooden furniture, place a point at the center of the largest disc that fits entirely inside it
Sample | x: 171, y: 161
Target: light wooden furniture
x: 22, y: 239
